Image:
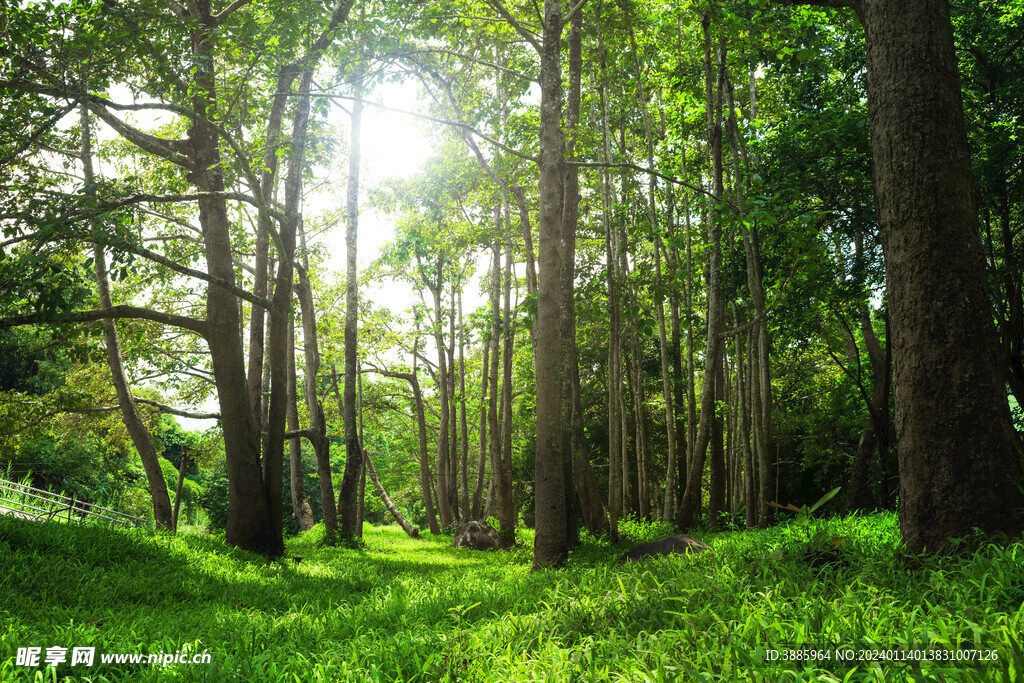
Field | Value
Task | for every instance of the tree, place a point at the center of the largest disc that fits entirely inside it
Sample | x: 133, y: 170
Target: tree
x: 953, y: 423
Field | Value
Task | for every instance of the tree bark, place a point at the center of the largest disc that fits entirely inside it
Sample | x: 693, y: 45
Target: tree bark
x: 249, y: 524
x: 614, y: 365
x: 569, y: 220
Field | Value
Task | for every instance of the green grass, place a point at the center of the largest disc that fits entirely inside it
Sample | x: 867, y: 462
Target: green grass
x: 401, y: 609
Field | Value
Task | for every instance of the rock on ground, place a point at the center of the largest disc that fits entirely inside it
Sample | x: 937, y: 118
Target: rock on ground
x: 680, y: 543
x: 477, y: 536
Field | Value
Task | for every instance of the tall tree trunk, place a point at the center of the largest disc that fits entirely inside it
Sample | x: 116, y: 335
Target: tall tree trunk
x: 466, y: 512
x: 666, y: 389
x: 550, y: 547
x: 689, y: 507
x: 162, y: 513
x: 569, y: 221
x: 248, y: 524
x: 300, y: 506
x: 349, y: 492
x: 421, y: 431
x: 453, y: 408
x: 482, y: 460
x: 691, y: 384
x: 614, y: 370
x: 443, y: 444
x: 317, y: 432
x: 361, y: 500
x: 506, y: 526
x: 717, y: 471
x: 257, y: 319
x: 280, y: 319
x: 751, y: 485
x: 953, y: 423
x: 507, y: 509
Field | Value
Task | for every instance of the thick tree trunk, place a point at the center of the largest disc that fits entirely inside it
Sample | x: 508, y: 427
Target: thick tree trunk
x: 953, y: 423
x: 249, y: 525
x: 569, y: 220
x: 550, y: 547
x: 353, y: 449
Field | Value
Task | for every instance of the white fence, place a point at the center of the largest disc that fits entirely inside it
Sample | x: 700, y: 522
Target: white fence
x: 28, y: 502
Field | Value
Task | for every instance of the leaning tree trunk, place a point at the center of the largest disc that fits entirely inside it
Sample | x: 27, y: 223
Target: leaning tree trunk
x: 398, y: 516
x: 141, y: 439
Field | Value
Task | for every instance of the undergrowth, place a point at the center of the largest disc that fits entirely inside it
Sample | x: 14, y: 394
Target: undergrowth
x: 418, y: 610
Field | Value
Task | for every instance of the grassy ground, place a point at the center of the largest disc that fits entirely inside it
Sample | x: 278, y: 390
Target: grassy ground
x: 419, y: 610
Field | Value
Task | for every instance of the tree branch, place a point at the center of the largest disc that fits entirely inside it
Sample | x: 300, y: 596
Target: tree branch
x: 177, y: 411
x: 219, y: 18
x: 131, y: 312
x: 527, y: 35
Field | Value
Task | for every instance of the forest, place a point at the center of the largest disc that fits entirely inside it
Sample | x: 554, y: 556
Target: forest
x: 745, y: 270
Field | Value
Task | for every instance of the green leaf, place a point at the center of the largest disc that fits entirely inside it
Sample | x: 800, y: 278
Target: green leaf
x: 826, y: 498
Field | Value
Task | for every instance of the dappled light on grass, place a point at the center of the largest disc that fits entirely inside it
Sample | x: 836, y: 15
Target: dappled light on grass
x: 402, y: 609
